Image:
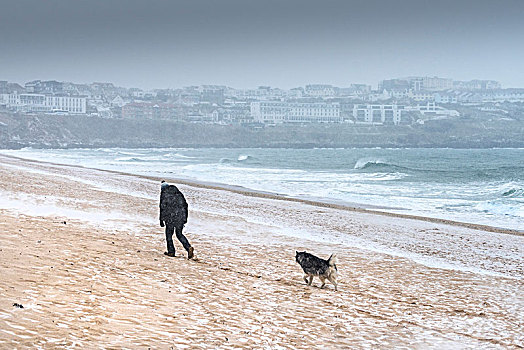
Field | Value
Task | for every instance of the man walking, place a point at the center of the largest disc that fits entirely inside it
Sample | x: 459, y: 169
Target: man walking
x: 173, y: 215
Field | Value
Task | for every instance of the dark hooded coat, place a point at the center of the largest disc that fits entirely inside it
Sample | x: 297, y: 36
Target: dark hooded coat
x: 173, y: 206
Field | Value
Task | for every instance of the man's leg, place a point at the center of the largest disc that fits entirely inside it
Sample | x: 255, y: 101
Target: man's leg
x: 169, y: 240
x: 184, y: 241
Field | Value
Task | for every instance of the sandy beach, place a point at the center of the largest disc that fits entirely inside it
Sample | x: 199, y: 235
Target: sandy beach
x: 82, y: 251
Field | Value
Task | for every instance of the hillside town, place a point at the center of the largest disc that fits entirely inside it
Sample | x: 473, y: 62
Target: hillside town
x: 399, y: 101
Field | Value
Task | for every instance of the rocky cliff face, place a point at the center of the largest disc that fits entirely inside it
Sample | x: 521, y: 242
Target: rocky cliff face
x: 82, y: 131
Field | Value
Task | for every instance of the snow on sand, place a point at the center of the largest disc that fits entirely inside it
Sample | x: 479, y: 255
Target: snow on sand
x: 81, y: 250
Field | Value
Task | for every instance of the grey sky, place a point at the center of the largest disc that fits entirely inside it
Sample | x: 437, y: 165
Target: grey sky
x: 243, y: 43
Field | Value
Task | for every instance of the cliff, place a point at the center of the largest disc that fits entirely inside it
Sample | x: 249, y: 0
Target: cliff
x: 46, y: 131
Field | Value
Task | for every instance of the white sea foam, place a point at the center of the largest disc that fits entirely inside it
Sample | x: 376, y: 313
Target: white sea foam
x: 179, y: 155
x: 458, y: 257
x: 442, y: 183
x: 34, y: 205
x: 363, y: 162
x: 97, y: 184
x: 501, y: 209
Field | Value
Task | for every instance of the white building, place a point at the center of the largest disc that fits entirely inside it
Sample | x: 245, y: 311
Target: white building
x: 504, y: 95
x: 261, y: 93
x: 422, y: 83
x: 436, y: 83
x: 46, y: 103
x: 374, y: 114
x: 320, y: 90
x: 118, y: 102
x: 477, y: 85
x: 398, y: 94
x: 445, y: 98
x: 276, y: 112
x: 420, y: 96
x: 432, y: 110
x: 4, y: 99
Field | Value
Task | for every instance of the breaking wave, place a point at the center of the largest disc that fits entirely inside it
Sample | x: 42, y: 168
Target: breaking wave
x: 375, y: 164
x: 128, y: 153
x: 513, y: 193
x: 241, y: 158
x: 178, y: 155
x: 130, y: 159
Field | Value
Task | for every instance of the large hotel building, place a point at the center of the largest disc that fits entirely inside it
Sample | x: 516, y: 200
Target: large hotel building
x: 276, y: 112
x: 44, y: 103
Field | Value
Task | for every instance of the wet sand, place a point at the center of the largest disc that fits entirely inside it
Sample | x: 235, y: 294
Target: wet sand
x: 82, y: 251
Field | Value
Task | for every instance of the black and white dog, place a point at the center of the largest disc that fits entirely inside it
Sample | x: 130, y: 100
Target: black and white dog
x: 315, y: 266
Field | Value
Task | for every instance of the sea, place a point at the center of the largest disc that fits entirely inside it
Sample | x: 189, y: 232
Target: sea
x: 478, y: 186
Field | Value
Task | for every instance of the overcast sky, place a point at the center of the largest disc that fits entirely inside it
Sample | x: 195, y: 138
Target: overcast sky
x: 246, y: 43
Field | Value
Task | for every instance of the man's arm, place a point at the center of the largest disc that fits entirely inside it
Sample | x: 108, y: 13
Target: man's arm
x: 160, y: 206
x: 184, y: 204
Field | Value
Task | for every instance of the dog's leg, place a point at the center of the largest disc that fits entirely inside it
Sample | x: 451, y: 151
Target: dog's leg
x: 323, y: 280
x: 305, y: 279
x: 333, y: 280
x: 310, y: 280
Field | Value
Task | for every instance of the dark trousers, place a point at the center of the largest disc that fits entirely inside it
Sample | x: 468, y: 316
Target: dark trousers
x: 169, y: 238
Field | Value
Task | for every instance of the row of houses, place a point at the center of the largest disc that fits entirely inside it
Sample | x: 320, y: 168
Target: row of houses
x: 426, y: 83
x: 149, y: 111
x: 273, y: 112
x: 266, y: 112
x: 203, y: 113
x: 279, y: 112
x: 452, y: 96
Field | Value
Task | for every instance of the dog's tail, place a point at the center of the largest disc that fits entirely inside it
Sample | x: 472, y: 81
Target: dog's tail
x: 332, y: 261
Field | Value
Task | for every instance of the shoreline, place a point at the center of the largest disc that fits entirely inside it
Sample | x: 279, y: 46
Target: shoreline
x: 327, y: 203
x: 90, y: 147
x: 90, y: 272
